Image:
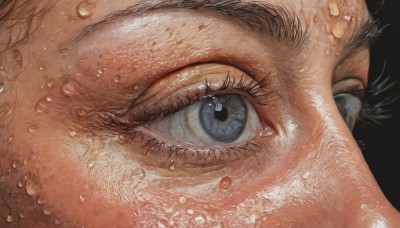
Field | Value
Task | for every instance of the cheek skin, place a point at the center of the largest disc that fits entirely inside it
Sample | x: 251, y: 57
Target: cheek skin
x: 51, y: 175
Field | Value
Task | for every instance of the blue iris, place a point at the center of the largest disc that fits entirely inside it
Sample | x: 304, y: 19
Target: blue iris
x: 223, y: 117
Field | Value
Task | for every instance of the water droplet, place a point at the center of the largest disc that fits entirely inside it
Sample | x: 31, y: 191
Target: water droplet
x: 182, y: 200
x: 70, y: 88
x: 136, y: 87
x: 50, y: 83
x: 57, y: 222
x: 139, y: 172
x: 25, y: 161
x: 306, y: 175
x: 46, y: 211
x: 267, y: 132
x: 32, y: 128
x: 333, y: 9
x: 21, y: 215
x: 72, y: 133
x: 339, y: 29
x: 14, y: 164
x: 41, y: 200
x: 63, y: 51
x: 42, y: 67
x: 225, y: 182
x: 347, y: 18
x: 100, y: 72
x: 117, y: 78
x: 20, y: 183
x: 82, y: 198
x: 172, y: 167
x: 91, y: 164
x: 2, y: 88
x: 200, y: 220
x: 10, y: 218
x: 43, y: 104
x: 10, y: 139
x: 11, y: 64
x: 86, y: 9
x: 32, y: 188
x: 190, y: 211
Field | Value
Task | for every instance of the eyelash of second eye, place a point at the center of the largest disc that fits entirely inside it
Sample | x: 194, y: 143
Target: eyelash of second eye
x: 259, y: 92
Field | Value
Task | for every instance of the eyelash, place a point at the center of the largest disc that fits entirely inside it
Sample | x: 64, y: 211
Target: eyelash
x: 258, y: 92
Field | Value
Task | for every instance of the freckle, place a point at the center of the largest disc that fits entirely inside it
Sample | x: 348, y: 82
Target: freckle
x: 32, y: 128
x: 339, y: 29
x: 70, y: 88
x: 154, y: 43
x: 86, y: 9
x: 167, y: 29
x: 225, y: 183
x: 10, y: 218
x: 333, y: 9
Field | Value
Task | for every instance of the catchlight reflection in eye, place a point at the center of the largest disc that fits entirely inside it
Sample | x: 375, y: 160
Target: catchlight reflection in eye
x: 215, y: 121
x: 349, y: 107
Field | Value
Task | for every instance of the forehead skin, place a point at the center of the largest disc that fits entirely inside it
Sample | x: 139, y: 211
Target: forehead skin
x: 56, y: 168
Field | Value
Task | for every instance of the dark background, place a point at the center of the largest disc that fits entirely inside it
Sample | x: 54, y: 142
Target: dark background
x: 382, y: 143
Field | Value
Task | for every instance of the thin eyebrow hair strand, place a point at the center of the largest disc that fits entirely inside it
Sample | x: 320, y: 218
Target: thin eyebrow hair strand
x: 272, y: 20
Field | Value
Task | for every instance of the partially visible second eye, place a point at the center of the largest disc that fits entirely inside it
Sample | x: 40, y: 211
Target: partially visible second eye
x: 349, y: 107
x: 220, y: 120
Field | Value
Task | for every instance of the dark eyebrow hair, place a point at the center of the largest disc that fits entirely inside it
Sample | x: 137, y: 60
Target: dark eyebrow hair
x: 272, y: 20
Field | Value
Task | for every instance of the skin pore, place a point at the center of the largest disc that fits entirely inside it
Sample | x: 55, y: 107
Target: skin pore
x: 95, y: 129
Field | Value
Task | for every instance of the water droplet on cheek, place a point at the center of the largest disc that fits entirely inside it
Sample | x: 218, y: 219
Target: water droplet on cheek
x: 43, y: 104
x: 86, y: 9
x: 100, y: 72
x: 20, y: 183
x: 10, y: 218
x: 70, y: 88
x: 42, y: 67
x: 82, y: 198
x: 14, y: 164
x: 32, y: 128
x: 117, y: 78
x: 306, y: 175
x: 2, y: 88
x: 339, y: 29
x: 225, y: 183
x: 21, y: 215
x: 32, y: 188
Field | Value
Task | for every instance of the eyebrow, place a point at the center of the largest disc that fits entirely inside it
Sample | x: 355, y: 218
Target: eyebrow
x: 272, y: 20
x: 366, y: 35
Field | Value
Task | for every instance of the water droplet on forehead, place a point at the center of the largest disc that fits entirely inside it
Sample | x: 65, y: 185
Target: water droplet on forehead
x: 43, y: 104
x: 46, y: 211
x: 14, y: 164
x: 339, y: 29
x: 20, y: 183
x: 42, y: 67
x: 200, y: 220
x: 100, y: 72
x: 117, y: 78
x: 86, y: 9
x: 41, y: 200
x: 72, y: 133
x: 333, y: 9
x: 50, y: 83
x: 225, y: 183
x: 70, y: 88
x: 306, y: 175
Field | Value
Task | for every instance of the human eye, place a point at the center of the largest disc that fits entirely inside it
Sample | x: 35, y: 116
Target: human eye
x: 349, y: 96
x: 214, y: 119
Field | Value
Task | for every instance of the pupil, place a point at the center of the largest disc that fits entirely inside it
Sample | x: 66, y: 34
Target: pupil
x: 221, y: 115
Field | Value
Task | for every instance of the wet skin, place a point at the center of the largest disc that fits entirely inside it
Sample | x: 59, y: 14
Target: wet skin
x: 81, y: 110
